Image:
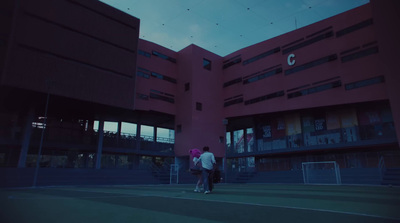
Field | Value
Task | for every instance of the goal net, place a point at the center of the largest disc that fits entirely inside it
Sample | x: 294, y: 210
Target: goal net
x: 325, y: 172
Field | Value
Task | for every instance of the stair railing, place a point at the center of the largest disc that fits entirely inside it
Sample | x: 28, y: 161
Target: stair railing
x: 381, y: 166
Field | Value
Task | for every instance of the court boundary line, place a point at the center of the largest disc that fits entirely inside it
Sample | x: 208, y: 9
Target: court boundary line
x: 279, y: 206
x: 123, y: 195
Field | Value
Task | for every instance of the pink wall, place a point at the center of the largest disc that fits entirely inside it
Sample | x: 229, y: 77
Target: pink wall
x: 348, y: 72
x: 199, y: 128
x: 160, y: 66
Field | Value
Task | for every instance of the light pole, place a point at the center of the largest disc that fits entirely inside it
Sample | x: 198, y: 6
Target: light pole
x: 225, y: 123
x: 42, y: 136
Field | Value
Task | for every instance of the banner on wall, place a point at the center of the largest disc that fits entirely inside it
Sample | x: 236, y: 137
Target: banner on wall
x: 369, y: 117
x: 332, y: 120
x: 348, y: 118
x: 308, y: 124
x: 278, y: 128
x: 293, y: 124
x: 320, y: 123
x: 267, y: 131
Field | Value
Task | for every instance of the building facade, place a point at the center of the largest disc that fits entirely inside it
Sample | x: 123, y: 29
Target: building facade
x: 86, y: 93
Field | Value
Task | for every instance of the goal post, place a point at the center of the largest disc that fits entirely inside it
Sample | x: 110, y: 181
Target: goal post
x: 324, y: 172
x: 174, y: 174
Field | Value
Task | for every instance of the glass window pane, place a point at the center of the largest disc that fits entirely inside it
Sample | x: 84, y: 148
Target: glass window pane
x: 238, y: 140
x: 165, y: 135
x: 147, y: 133
x: 128, y: 128
x: 110, y: 126
x: 250, y: 139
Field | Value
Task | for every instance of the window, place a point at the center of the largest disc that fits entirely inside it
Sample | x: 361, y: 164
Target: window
x: 147, y: 133
x: 364, y: 83
x: 199, y: 106
x: 263, y: 75
x: 316, y: 89
x: 163, y: 77
x: 154, y: 94
x: 308, y: 42
x: 206, y: 64
x: 354, y: 27
x: 165, y: 135
x: 238, y: 141
x: 128, y: 129
x: 165, y: 57
x: 144, y: 53
x: 311, y: 64
x: 360, y: 54
x: 262, y: 55
x: 232, y: 61
x: 187, y: 86
x: 142, y: 96
x: 232, y: 82
x: 265, y: 97
x: 141, y: 72
x: 233, y: 100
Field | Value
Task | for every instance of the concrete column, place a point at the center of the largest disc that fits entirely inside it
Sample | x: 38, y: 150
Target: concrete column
x: 26, y: 138
x: 100, y: 144
x: 138, y: 140
x: 118, y: 132
x: 155, y: 133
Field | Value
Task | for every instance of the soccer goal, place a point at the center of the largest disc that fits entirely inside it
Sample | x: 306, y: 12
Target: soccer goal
x: 325, y: 172
x: 174, y: 174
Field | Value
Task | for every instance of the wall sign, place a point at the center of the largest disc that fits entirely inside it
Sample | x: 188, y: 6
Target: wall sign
x: 290, y: 59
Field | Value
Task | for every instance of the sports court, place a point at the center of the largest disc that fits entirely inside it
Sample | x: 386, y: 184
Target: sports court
x: 178, y: 203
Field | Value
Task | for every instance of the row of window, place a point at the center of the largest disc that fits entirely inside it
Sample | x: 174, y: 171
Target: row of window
x: 316, y: 89
x: 327, y: 127
x: 157, y: 54
x: 364, y: 83
x: 295, y: 92
x: 311, y: 64
x: 355, y: 53
x: 233, y: 100
x: 263, y: 75
x: 141, y: 72
x: 232, y: 61
x: 300, y: 43
x: 154, y: 94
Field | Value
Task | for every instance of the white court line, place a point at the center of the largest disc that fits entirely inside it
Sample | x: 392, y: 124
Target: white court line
x: 285, y: 207
x: 196, y: 199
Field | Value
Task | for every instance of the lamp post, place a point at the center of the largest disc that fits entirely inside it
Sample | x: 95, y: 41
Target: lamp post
x: 42, y: 136
x: 225, y: 123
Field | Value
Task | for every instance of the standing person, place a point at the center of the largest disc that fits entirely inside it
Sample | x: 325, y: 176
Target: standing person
x: 196, y: 170
x: 207, y: 163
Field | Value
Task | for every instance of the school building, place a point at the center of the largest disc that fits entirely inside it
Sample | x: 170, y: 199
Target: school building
x: 102, y: 106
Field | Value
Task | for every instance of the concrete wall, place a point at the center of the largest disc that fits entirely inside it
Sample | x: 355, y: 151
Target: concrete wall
x: 70, y: 48
x: 386, y: 18
x: 199, y: 127
x: 146, y: 86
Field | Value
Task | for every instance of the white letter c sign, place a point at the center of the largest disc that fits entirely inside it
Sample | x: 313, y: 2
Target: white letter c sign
x: 290, y: 59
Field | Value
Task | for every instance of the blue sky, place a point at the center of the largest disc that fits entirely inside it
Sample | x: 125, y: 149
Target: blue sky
x: 225, y: 26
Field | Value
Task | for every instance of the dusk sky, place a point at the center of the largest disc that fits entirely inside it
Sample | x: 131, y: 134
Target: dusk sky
x: 225, y: 26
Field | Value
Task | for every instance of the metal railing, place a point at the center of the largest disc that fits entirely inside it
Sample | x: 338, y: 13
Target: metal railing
x: 381, y: 166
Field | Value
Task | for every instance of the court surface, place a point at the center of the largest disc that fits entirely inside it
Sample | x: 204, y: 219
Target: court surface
x: 246, y: 203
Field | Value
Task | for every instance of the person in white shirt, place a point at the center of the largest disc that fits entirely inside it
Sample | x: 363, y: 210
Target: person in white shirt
x: 207, y: 160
